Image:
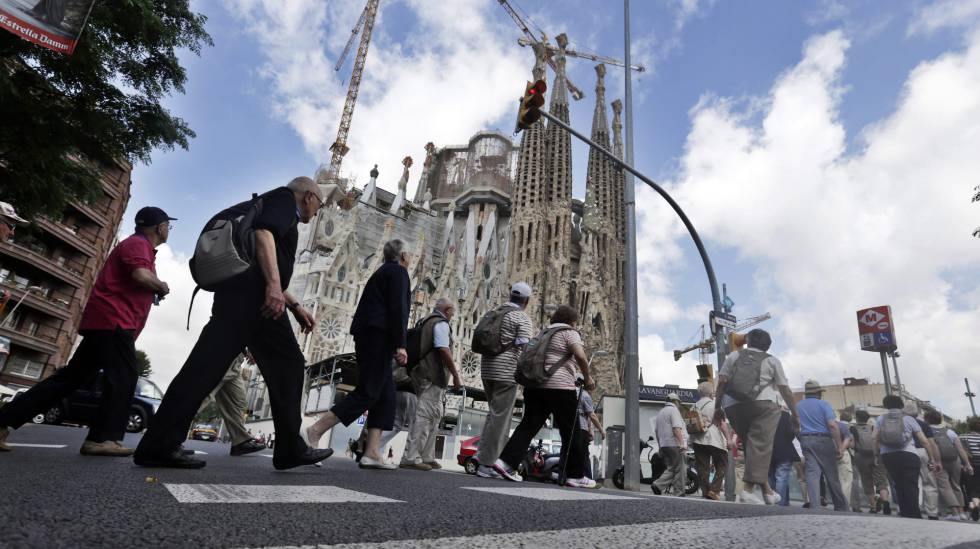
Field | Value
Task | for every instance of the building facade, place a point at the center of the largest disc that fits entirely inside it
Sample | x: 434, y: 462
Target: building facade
x: 49, y: 269
x: 485, y: 214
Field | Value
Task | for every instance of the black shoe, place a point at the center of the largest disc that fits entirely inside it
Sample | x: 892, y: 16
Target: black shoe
x: 176, y: 459
x: 655, y: 489
x: 975, y: 514
x: 886, y: 507
x: 309, y: 457
x: 249, y: 446
x: 806, y: 505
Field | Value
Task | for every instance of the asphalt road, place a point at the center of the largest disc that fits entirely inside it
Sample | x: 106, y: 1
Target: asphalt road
x: 50, y: 496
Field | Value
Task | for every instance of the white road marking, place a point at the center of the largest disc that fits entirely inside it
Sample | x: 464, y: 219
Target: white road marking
x: 768, y: 531
x: 236, y: 493
x: 200, y: 453
x: 22, y: 445
x: 550, y: 494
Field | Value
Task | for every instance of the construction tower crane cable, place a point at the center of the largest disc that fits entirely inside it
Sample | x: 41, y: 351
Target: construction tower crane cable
x: 339, y: 147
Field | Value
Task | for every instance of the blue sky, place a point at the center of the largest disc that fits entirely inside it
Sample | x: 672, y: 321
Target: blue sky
x: 767, y: 119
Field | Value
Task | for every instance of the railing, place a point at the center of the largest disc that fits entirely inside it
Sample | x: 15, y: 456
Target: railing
x: 52, y: 301
x: 69, y: 271
x: 95, y: 212
x: 81, y: 239
x: 44, y: 338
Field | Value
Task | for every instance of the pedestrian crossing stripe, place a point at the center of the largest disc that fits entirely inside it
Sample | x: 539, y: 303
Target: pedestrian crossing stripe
x: 24, y: 445
x: 261, y: 493
x: 550, y: 494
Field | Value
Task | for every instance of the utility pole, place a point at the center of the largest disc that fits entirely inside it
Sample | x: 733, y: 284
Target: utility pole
x: 970, y: 394
x: 898, y: 379
x: 631, y: 376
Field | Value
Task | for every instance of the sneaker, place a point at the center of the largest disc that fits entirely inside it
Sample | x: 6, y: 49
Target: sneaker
x: 4, y: 433
x: 487, y: 472
x: 433, y: 464
x: 771, y: 499
x: 368, y: 463
x: 505, y: 471
x: 108, y: 448
x: 584, y: 482
x: 953, y: 518
x: 408, y: 465
x: 750, y: 498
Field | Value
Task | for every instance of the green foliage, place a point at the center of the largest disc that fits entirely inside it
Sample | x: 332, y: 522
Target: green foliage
x: 208, y: 414
x: 102, y: 103
x: 143, y: 363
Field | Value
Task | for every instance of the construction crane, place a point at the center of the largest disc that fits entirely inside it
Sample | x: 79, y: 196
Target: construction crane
x: 707, y: 345
x: 543, y: 38
x: 364, y: 26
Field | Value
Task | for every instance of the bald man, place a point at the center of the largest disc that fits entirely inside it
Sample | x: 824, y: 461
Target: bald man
x: 249, y: 311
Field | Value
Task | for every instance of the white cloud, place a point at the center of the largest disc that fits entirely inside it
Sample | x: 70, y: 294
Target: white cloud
x: 945, y: 14
x: 165, y: 338
x: 457, y: 72
x: 828, y: 233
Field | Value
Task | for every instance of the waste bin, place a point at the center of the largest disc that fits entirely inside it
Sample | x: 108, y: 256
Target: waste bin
x: 614, y: 449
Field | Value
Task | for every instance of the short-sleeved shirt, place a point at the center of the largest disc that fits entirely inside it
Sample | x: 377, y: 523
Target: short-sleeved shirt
x: 118, y: 301
x: 279, y: 216
x: 561, y: 350
x: 845, y: 430
x: 926, y: 429
x: 585, y: 409
x: 668, y: 418
x: 971, y: 443
x: 713, y: 435
x: 771, y: 375
x: 441, y: 338
x: 814, y: 415
x: 911, y: 427
x: 515, y: 330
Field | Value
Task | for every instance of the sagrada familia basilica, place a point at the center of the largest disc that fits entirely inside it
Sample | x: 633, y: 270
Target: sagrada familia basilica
x: 484, y: 215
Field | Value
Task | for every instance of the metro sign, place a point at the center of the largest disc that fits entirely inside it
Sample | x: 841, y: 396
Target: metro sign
x: 876, y: 329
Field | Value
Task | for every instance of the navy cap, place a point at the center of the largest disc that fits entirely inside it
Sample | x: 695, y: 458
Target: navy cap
x: 151, y: 216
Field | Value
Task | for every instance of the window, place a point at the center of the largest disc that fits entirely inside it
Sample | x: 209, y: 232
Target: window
x: 24, y: 368
x: 342, y: 273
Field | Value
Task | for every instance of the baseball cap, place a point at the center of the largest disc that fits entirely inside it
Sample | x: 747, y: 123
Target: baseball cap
x: 10, y: 214
x: 521, y: 289
x: 151, y: 216
x: 673, y: 396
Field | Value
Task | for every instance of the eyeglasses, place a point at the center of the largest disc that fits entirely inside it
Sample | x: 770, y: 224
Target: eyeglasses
x: 318, y: 199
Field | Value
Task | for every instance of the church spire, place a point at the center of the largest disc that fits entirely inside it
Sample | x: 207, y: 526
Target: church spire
x: 597, y: 180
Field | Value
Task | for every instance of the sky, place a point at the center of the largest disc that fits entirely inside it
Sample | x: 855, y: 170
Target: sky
x: 825, y: 151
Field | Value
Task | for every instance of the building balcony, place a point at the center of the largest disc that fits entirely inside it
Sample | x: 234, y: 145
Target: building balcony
x: 83, y: 241
x: 57, y: 304
x: 44, y: 338
x: 97, y: 213
x: 64, y: 272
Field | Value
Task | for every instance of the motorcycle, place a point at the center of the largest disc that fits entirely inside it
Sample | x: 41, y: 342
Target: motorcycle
x: 657, y: 468
x: 539, y: 465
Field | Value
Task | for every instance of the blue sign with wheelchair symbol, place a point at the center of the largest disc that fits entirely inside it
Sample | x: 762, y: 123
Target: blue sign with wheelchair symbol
x: 883, y: 339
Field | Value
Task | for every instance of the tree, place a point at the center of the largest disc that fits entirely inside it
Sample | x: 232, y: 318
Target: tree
x: 65, y: 116
x: 143, y: 363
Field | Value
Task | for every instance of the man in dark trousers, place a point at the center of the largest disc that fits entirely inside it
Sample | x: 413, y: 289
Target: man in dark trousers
x: 248, y: 311
x: 113, y: 318
x: 379, y: 329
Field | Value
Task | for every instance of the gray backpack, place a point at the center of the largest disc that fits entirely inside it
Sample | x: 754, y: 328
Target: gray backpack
x: 530, y: 370
x: 487, y: 334
x: 947, y: 448
x: 864, y: 442
x: 743, y: 383
x: 892, y: 429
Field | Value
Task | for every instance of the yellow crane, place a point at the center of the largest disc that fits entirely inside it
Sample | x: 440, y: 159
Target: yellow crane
x: 706, y: 346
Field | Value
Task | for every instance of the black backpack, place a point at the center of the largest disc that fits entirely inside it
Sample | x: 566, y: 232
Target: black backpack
x: 414, y: 344
x: 486, y: 336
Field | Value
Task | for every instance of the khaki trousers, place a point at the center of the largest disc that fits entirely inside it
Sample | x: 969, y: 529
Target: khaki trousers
x: 229, y: 397
x: 421, y: 445
x: 845, y: 472
x: 755, y: 422
x: 501, y: 397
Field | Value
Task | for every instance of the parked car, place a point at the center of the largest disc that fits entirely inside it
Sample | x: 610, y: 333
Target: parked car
x: 203, y: 431
x: 81, y: 405
x: 467, y: 455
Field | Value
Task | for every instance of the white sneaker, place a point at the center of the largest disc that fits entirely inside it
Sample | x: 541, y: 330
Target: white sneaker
x: 487, y: 472
x: 584, y: 482
x: 771, y: 499
x: 750, y: 498
x: 505, y: 471
x: 368, y: 463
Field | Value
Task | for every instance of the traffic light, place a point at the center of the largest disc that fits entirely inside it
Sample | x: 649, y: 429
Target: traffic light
x: 531, y: 103
x: 706, y: 372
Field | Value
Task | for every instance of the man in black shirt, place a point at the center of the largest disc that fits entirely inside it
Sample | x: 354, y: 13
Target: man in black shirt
x: 248, y: 311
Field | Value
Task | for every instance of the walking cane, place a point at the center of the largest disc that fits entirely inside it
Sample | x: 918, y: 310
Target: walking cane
x: 571, y: 439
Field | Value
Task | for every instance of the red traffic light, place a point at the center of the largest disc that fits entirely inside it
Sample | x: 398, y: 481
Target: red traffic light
x: 531, y: 104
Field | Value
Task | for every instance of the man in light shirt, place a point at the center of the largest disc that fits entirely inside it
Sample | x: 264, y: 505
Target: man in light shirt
x: 672, y: 438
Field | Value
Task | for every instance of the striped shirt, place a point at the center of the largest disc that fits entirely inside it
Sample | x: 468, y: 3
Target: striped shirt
x: 516, y: 327
x: 971, y: 443
x: 560, y: 348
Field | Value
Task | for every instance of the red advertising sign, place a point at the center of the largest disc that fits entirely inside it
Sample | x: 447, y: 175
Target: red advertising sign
x: 876, y: 329
x: 54, y: 24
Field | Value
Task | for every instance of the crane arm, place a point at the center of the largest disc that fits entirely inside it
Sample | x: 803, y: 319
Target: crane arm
x: 531, y: 38
x: 586, y: 55
x: 350, y: 41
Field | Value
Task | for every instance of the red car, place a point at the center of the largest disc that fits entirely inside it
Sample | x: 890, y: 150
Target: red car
x: 467, y: 455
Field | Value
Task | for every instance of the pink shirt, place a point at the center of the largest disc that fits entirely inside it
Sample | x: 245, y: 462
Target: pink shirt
x: 116, y: 299
x: 561, y: 347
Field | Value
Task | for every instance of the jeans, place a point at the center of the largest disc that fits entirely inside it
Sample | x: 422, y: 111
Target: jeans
x: 903, y: 468
x: 779, y: 480
x: 820, y: 457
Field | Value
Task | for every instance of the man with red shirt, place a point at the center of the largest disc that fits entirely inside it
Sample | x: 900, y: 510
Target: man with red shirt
x: 113, y: 318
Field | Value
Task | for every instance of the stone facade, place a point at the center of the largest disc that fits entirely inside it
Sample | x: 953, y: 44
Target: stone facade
x: 485, y: 214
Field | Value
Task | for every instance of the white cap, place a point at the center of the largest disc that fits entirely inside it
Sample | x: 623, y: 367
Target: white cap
x: 521, y: 289
x: 673, y: 396
x: 8, y: 212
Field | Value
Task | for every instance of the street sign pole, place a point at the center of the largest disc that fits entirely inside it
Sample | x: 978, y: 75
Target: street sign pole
x: 884, y: 369
x: 970, y: 394
x: 898, y: 378
x: 631, y: 374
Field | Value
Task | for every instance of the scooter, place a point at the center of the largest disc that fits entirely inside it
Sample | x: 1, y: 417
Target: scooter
x: 657, y: 468
x: 539, y: 465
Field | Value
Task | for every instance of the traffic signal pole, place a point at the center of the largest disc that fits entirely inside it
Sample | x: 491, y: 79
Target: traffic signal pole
x: 631, y: 318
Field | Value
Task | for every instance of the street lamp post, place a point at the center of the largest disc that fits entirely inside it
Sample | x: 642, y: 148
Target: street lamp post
x: 10, y: 315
